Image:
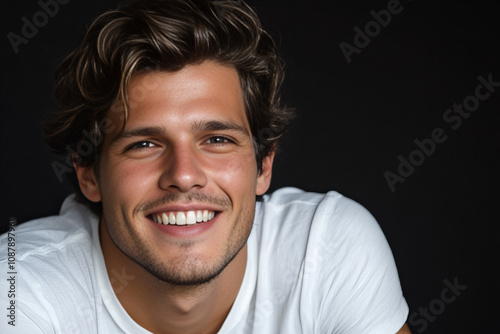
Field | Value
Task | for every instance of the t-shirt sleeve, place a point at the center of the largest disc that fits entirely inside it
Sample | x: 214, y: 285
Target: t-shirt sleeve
x: 48, y: 298
x: 27, y: 314
x: 357, y: 280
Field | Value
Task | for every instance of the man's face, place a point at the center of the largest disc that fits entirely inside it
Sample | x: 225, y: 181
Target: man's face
x: 185, y: 155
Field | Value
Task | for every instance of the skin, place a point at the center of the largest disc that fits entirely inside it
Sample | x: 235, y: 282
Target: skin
x: 186, y: 145
x: 404, y: 330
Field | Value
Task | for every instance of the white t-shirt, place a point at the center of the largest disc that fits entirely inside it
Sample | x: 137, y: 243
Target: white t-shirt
x: 317, y: 263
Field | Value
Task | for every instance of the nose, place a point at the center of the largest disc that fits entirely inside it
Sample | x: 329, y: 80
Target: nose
x: 183, y: 170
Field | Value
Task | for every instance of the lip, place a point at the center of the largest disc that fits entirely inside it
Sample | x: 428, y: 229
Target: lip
x: 186, y: 231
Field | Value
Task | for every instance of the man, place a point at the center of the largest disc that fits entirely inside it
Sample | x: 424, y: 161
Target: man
x: 170, y: 231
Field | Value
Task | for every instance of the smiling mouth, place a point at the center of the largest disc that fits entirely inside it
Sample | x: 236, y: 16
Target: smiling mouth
x: 183, y: 217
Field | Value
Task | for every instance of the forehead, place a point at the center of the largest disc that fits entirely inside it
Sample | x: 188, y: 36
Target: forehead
x: 207, y: 90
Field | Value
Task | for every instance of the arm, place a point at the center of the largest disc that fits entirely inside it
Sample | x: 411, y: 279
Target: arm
x: 404, y: 330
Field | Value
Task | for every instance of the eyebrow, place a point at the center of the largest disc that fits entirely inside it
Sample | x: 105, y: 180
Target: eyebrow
x: 208, y: 126
x: 199, y: 126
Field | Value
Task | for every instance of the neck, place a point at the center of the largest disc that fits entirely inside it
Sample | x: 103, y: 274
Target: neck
x: 164, y: 308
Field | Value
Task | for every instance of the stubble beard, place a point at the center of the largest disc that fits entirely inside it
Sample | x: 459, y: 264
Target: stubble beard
x: 187, y: 272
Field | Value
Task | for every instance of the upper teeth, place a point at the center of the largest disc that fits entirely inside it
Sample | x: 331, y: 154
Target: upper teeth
x: 183, y: 218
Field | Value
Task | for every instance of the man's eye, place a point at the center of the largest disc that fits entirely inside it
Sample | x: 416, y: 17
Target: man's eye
x: 218, y: 140
x: 141, y: 145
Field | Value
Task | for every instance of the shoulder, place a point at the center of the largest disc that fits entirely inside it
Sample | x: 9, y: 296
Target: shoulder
x: 43, y: 236
x: 51, y: 266
x: 329, y: 211
x: 327, y: 236
x: 335, y: 250
x: 332, y: 236
x: 329, y: 218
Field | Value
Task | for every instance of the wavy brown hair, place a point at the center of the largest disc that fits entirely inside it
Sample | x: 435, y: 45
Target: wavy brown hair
x: 164, y: 36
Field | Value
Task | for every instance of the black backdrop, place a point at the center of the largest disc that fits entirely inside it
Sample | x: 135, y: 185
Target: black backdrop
x: 356, y: 122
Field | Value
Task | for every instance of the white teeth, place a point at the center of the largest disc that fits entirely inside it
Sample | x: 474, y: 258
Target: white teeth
x: 183, y: 218
x: 171, y: 218
x: 180, y: 218
x: 191, y: 218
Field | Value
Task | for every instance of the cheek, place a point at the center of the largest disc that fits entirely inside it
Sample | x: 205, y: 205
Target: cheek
x: 235, y: 172
x: 126, y: 179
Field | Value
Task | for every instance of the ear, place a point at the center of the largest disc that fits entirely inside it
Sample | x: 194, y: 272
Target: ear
x: 88, y: 182
x: 264, y: 178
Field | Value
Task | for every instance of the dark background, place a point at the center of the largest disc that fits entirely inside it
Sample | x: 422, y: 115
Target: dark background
x: 354, y: 120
